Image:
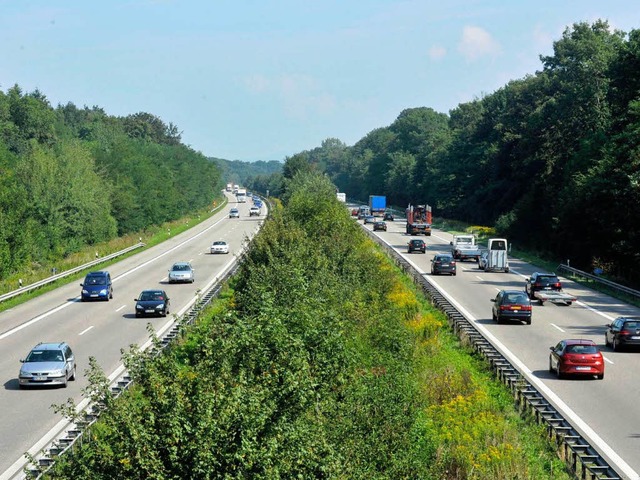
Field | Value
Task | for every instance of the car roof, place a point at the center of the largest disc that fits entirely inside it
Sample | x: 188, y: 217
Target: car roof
x: 181, y: 263
x: 151, y: 290
x: 219, y: 242
x: 544, y: 274
x: 513, y: 291
x: 50, y: 346
x: 630, y: 318
x: 579, y: 341
x: 101, y: 273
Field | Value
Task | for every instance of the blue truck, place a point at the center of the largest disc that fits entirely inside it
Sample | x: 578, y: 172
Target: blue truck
x: 377, y: 204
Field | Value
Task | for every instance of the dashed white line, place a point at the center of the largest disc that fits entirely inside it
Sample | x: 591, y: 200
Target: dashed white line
x: 118, y: 309
x: 85, y: 330
x: 556, y: 326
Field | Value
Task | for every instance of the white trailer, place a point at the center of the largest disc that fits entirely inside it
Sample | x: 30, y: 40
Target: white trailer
x: 497, y: 259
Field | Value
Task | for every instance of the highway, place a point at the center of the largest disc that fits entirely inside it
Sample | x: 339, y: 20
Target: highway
x: 102, y: 329
x: 604, y: 411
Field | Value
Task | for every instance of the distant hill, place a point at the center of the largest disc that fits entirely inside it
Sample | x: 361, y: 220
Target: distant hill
x: 238, y: 172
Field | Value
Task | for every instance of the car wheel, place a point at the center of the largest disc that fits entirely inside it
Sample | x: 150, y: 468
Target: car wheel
x: 66, y: 381
x: 606, y: 340
x: 601, y: 376
x: 454, y: 274
x: 111, y: 295
x: 73, y: 373
x: 506, y: 270
x: 615, y: 345
x: 558, y: 372
x: 494, y: 317
x: 529, y: 322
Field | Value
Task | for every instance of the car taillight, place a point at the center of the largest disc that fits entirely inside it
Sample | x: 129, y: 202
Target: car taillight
x: 625, y: 332
x: 557, y: 285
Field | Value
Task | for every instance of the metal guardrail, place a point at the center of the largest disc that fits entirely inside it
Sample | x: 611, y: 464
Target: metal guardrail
x: 581, y: 458
x: 66, y: 273
x: 603, y: 281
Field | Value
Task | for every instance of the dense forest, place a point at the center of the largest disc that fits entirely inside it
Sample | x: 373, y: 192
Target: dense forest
x: 551, y: 160
x: 244, y: 173
x: 72, y: 177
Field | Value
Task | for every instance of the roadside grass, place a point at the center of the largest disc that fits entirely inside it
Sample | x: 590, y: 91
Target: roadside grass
x: 41, y: 270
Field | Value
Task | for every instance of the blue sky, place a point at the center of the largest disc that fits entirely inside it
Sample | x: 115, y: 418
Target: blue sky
x: 263, y: 80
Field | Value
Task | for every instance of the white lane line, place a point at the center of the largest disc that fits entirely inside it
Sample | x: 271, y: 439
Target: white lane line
x: 118, y: 309
x: 607, y: 360
x: 85, y: 330
x: 480, y: 278
x: 556, y: 326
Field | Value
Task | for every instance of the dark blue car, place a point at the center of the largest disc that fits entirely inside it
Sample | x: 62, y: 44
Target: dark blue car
x: 97, y: 286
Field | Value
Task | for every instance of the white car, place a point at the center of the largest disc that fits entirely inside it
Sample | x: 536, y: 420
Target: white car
x: 234, y: 213
x: 254, y: 211
x: 219, y: 246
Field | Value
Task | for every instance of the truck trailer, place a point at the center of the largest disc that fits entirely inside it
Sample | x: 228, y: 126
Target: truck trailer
x: 377, y: 204
x: 419, y: 220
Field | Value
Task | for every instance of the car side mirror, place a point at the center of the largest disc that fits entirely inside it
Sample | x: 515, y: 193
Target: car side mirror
x: 552, y: 348
x: 82, y: 285
x: 135, y: 299
x: 22, y: 360
x: 492, y: 299
x: 450, y: 243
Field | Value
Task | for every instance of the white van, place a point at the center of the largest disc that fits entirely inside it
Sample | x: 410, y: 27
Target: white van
x: 497, y: 259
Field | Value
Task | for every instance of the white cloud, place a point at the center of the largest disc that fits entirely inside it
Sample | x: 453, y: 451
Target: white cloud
x: 477, y: 42
x: 437, y: 52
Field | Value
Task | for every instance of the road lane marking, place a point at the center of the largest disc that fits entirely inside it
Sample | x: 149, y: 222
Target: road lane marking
x: 480, y: 278
x: 556, y: 326
x: 607, y: 360
x: 118, y: 309
x: 85, y: 330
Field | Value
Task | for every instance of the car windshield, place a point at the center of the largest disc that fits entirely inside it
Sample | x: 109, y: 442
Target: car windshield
x: 582, y: 349
x: 95, y: 281
x: 181, y: 268
x: 515, y: 298
x: 219, y: 243
x: 45, y: 356
x: 148, y: 296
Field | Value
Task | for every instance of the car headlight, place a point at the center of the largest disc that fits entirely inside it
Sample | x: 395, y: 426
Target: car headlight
x: 160, y: 307
x: 139, y: 307
x: 103, y: 291
x: 85, y: 291
x: 25, y: 374
x: 57, y: 373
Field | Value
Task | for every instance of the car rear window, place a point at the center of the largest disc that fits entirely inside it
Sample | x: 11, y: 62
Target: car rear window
x: 513, y: 298
x: 632, y: 325
x: 580, y: 349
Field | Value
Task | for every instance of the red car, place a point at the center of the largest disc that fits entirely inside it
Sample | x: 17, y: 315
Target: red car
x: 576, y: 357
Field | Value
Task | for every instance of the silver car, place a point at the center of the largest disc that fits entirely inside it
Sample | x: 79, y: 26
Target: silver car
x: 182, y: 272
x: 219, y: 246
x: 48, y: 364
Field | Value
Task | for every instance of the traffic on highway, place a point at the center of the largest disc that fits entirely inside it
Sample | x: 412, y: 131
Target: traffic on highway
x: 566, y: 351
x: 55, y: 334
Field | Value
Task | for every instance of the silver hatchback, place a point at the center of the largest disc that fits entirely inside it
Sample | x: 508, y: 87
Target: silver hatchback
x: 48, y: 364
x: 182, y: 272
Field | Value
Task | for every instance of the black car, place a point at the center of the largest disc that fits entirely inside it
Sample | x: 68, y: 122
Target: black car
x: 388, y: 216
x: 624, y: 331
x: 152, y: 303
x: 417, y: 245
x: 380, y: 226
x: 443, y: 263
x: 511, y: 305
x: 542, y: 281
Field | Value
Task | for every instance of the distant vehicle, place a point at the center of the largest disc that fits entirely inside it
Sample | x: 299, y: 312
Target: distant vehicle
x: 97, y: 286
x: 497, y: 258
x: 254, y: 211
x: 241, y: 198
x: 377, y: 204
x: 443, y: 263
x: 152, y: 303
x: 464, y: 247
x: 416, y: 245
x: 369, y: 219
x: 182, y: 272
x: 623, y: 332
x: 363, y: 211
x: 341, y: 196
x: 388, y: 216
x: 382, y: 226
x: 547, y: 287
x: 234, y: 213
x: 354, y: 212
x: 219, y: 246
x: 482, y: 261
x: 48, y: 364
x: 511, y: 305
x: 229, y: 187
x: 576, y: 357
x: 419, y: 220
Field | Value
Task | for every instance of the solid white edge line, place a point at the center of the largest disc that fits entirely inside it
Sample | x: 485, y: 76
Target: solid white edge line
x: 594, y: 439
